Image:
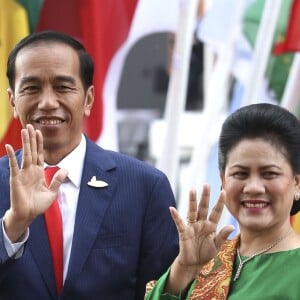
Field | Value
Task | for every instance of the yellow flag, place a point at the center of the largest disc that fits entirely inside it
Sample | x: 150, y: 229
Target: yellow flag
x: 13, y: 26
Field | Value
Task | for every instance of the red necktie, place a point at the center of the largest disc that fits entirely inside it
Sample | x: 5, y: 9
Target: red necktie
x: 53, y: 221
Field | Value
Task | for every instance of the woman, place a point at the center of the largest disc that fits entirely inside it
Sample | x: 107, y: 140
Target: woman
x: 259, y: 163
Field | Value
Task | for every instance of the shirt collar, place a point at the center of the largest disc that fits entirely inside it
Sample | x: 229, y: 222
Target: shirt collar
x: 75, y: 169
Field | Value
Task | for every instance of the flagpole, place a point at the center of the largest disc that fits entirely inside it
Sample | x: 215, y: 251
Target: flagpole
x: 292, y: 89
x: 262, y: 50
x: 176, y: 96
x: 215, y: 108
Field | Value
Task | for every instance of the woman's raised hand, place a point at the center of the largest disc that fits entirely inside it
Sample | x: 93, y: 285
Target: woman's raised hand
x: 198, y: 239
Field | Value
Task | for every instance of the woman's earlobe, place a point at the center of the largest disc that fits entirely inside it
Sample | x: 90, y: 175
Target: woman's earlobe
x: 297, y: 196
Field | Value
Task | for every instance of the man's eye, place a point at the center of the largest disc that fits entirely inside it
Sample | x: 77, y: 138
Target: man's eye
x: 63, y: 88
x: 29, y: 89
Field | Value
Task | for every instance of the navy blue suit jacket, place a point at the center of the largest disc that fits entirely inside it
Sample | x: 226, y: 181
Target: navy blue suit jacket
x: 124, y: 235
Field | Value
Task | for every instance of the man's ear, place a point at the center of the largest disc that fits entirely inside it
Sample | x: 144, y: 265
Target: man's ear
x: 11, y: 99
x: 89, y: 100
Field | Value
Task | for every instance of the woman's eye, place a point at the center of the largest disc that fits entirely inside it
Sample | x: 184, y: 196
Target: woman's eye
x: 270, y: 174
x: 240, y: 175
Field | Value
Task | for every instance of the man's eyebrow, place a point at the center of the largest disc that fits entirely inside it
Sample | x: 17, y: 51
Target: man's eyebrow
x: 64, y: 78
x: 69, y: 79
x: 27, y: 79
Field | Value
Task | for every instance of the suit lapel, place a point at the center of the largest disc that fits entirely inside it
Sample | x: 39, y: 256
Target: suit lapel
x: 91, y: 208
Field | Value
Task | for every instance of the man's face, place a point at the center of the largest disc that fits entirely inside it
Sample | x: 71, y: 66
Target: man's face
x: 49, y: 94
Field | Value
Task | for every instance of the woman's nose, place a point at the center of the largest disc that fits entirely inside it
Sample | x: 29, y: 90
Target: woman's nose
x: 254, y: 185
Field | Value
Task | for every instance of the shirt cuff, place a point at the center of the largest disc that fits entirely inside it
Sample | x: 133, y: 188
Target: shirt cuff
x: 15, y: 250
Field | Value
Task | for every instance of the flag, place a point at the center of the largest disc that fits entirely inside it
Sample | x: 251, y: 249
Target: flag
x: 11, y: 13
x: 102, y: 27
x: 150, y: 17
x: 108, y: 29
x: 33, y: 8
x: 278, y: 67
x: 291, y: 41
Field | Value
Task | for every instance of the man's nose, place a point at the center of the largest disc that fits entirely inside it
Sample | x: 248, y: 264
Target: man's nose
x: 48, y: 99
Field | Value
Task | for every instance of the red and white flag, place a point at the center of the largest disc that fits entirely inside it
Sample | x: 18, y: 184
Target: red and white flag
x: 108, y: 29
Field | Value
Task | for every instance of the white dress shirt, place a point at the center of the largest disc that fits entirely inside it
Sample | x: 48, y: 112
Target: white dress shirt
x: 67, y: 199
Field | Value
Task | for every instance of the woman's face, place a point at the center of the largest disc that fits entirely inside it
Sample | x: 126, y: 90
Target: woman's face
x: 259, y: 184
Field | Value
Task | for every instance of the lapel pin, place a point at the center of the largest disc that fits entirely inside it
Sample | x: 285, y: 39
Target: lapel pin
x: 97, y: 183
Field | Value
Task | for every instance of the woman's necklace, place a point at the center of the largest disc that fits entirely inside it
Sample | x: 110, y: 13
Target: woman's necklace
x: 242, y: 262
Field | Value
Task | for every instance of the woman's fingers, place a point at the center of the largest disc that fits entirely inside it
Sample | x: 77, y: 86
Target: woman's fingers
x: 217, y: 210
x: 192, y: 215
x: 204, y: 203
x: 205, y: 225
x: 177, y: 220
x: 223, y: 235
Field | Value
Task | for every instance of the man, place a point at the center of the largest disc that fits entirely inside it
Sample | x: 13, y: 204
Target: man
x: 117, y: 230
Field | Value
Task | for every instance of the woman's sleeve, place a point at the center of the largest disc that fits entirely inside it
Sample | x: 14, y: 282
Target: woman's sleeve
x: 155, y: 290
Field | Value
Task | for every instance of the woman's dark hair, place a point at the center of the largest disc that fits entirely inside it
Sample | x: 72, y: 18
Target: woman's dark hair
x: 270, y: 122
x: 86, y: 64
